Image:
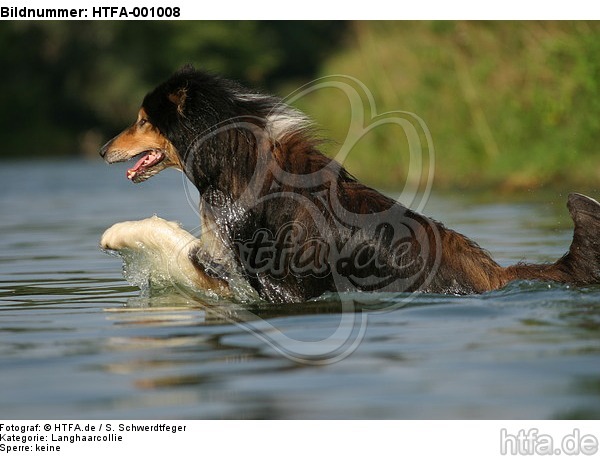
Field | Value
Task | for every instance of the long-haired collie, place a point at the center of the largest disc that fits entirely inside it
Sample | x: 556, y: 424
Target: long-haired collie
x: 291, y: 222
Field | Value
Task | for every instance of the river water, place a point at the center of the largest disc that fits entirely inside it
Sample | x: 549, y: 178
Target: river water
x: 77, y: 341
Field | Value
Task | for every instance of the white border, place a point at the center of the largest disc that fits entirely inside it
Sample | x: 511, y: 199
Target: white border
x: 371, y: 10
x: 302, y: 438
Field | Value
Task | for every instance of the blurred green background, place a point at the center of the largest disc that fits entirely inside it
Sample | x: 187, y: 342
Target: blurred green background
x: 510, y: 105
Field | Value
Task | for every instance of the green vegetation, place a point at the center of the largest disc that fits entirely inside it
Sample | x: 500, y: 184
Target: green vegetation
x: 69, y: 86
x: 509, y: 105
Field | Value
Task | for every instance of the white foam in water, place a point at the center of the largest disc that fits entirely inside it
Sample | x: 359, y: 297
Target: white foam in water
x: 150, y: 250
x: 141, y: 269
x: 155, y: 254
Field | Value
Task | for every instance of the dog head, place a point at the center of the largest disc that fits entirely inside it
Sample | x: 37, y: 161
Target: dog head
x: 201, y: 124
x: 170, y: 119
x: 144, y: 141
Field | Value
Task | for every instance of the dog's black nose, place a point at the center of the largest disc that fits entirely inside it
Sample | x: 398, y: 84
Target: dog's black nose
x: 104, y: 149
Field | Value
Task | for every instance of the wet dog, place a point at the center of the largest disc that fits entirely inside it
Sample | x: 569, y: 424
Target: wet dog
x: 293, y: 222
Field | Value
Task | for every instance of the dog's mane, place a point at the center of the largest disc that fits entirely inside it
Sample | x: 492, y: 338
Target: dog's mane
x: 280, y: 118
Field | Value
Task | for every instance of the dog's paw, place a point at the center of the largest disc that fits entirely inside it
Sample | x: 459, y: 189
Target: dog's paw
x: 150, y: 232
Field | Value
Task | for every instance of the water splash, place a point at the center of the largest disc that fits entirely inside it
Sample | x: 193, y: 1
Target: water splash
x: 156, y: 258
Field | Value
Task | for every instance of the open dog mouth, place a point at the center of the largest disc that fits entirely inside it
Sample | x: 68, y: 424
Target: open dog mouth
x: 145, y: 166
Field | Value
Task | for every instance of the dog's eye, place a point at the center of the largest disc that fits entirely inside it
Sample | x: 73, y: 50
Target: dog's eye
x: 142, y: 122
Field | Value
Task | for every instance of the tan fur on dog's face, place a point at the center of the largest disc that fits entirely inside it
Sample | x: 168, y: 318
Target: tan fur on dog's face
x: 143, y: 139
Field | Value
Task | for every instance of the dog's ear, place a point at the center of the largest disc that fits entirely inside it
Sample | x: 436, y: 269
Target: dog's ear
x: 178, y: 99
x: 187, y: 68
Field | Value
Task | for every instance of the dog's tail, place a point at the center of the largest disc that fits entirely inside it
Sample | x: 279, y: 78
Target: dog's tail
x: 581, y: 264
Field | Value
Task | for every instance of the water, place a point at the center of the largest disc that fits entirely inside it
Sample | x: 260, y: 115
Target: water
x: 77, y: 341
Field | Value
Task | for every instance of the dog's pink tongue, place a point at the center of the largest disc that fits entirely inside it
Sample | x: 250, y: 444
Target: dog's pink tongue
x: 151, y: 158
